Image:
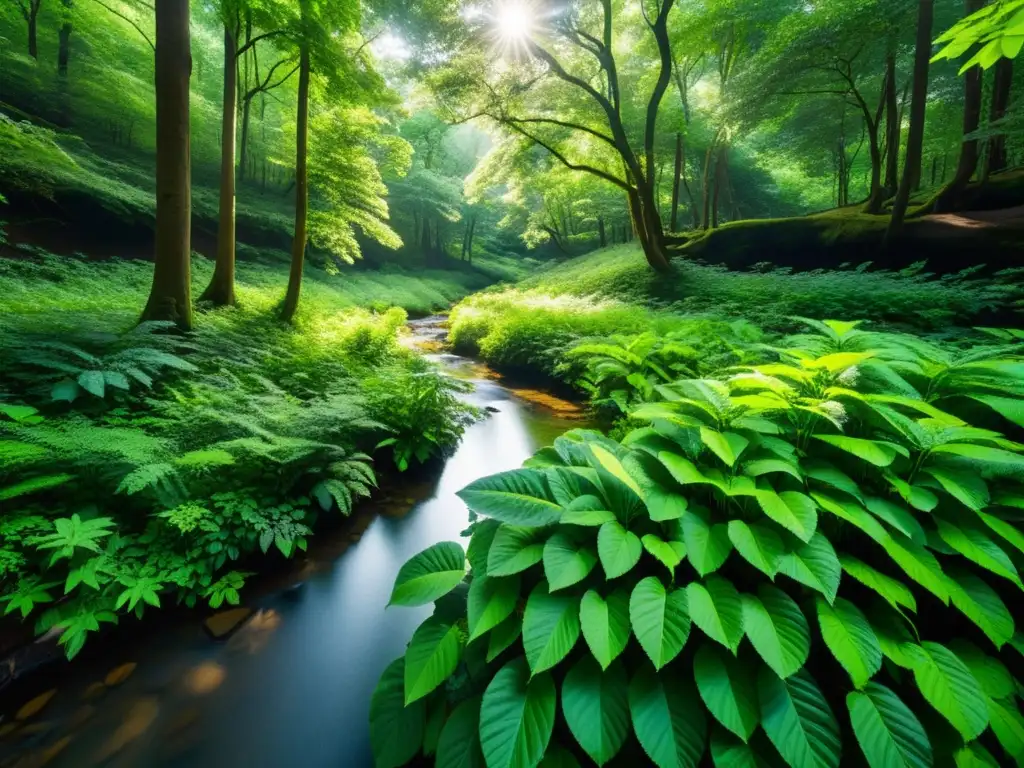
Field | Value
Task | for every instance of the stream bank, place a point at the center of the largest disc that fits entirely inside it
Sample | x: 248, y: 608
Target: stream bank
x: 292, y: 684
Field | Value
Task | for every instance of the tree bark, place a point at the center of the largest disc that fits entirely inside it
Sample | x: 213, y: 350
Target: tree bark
x: 708, y: 164
x: 291, y: 299
x: 33, y: 42
x: 892, y: 128
x: 221, y: 290
x: 171, y: 294
x: 918, y: 104
x: 472, y: 234
x: 677, y: 176
x: 64, y: 38
x: 602, y: 237
x: 720, y: 181
x: 1003, y: 80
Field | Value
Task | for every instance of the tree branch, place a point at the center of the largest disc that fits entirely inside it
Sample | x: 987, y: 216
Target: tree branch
x: 130, y: 21
x: 565, y: 161
x: 256, y: 39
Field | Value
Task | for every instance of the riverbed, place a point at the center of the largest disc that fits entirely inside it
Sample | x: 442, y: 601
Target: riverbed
x: 291, y: 686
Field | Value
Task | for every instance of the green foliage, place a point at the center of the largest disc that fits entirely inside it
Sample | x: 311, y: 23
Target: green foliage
x: 998, y: 30
x: 846, y: 512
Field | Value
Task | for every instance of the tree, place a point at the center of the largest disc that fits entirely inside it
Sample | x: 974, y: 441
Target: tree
x: 919, y: 99
x: 64, y: 37
x: 291, y: 298
x: 30, y: 12
x: 170, y: 297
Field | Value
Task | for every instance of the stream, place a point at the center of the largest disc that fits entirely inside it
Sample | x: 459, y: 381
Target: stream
x: 292, y: 685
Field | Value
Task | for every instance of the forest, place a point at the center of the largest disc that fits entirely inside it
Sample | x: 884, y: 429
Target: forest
x: 511, y: 383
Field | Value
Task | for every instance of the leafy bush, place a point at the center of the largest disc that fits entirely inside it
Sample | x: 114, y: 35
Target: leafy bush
x: 809, y: 557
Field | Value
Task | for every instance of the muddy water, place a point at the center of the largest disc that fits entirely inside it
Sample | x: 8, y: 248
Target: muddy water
x: 292, y: 685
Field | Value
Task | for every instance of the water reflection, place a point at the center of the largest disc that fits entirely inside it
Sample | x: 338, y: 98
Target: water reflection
x: 292, y: 686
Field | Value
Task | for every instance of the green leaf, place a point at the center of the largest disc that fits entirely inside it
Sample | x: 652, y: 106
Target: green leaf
x: 727, y: 446
x: 605, y: 624
x: 759, y: 545
x: 982, y: 605
x: 668, y: 553
x: 717, y: 609
x: 567, y: 561
x: 898, y: 517
x: 1008, y: 726
x: 516, y: 717
x: 668, y: 719
x: 777, y: 629
x: 434, y: 572
x: 973, y: 544
x: 889, y: 734
x: 596, y: 708
x: 607, y: 461
x: 515, y: 549
x: 967, y: 488
x: 663, y: 505
x: 433, y: 654
x: 995, y: 457
x: 851, y: 640
x: 589, y: 511
x: 767, y: 466
x: 459, y: 743
x: 491, y: 600
x: 618, y: 549
x: 519, y: 497
x: 880, y: 454
x: 707, y: 545
x: 894, y: 592
x: 396, y: 731
x: 919, y: 564
x: 92, y: 382
x: 727, y: 686
x: 503, y: 635
x: 994, y: 678
x: 660, y: 619
x: 480, y: 544
x: 814, y: 564
x: 798, y: 720
x: 551, y: 627
x: 948, y: 685
x: 728, y: 752
x: 792, y: 510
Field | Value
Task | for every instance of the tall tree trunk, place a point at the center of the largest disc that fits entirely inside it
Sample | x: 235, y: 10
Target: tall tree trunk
x: 64, y: 38
x: 221, y: 290
x: 677, y: 176
x: 472, y: 234
x: 33, y: 18
x: 892, y: 128
x: 170, y: 297
x: 708, y: 164
x: 603, y: 238
x: 918, y: 104
x: 291, y: 299
x: 720, y: 181
x: 997, y: 159
x: 935, y: 168
x: 967, y: 164
x: 647, y: 226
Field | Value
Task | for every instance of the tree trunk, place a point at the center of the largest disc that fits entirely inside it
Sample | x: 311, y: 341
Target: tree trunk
x: 647, y: 226
x: 876, y: 196
x: 673, y: 224
x: 170, y: 297
x: 706, y: 219
x: 892, y: 128
x: 968, y: 162
x: 64, y: 38
x: 1002, y: 82
x: 603, y: 239
x: 221, y: 290
x: 469, y: 247
x: 720, y: 180
x: 935, y: 168
x: 33, y: 17
x: 291, y: 299
x: 918, y: 105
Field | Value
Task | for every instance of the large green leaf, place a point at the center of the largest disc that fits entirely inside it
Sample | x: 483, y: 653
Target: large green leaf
x: 948, y: 685
x: 895, y: 592
x: 792, y: 510
x: 919, y: 564
x: 480, y: 544
x: 503, y: 635
x: 717, y: 609
x: 516, y: 717
x: 432, y: 573
x: 396, y: 731
x: 707, y: 545
x: 660, y: 619
x: 880, y: 454
x: 459, y: 743
x: 759, y: 545
x: 567, y: 561
x: 814, y: 564
x: 551, y: 627
x: 515, y: 549
x: 727, y: 686
x: 798, y: 720
x: 605, y: 623
x: 668, y: 719
x: 896, y: 516
x: 992, y: 675
x: 588, y: 511
x: 596, y: 707
x: 491, y: 600
x: 850, y: 638
x: 982, y: 605
x: 777, y: 629
x: 889, y: 734
x: 977, y: 547
x: 1008, y: 726
x: 618, y: 549
x: 668, y: 553
x: 729, y: 752
x: 519, y: 497
x: 609, y: 462
x: 725, y: 445
x: 433, y: 654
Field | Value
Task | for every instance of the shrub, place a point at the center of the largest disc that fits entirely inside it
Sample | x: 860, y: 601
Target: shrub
x: 807, y: 557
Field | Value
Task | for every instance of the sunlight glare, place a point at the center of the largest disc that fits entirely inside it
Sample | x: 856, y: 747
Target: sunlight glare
x: 515, y: 22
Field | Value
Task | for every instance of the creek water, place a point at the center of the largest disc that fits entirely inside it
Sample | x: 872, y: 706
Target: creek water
x: 292, y: 686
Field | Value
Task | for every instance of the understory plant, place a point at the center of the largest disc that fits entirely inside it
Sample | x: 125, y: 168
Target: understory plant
x: 809, y: 560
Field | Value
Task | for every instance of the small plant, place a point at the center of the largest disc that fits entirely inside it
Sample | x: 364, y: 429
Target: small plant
x: 810, y: 557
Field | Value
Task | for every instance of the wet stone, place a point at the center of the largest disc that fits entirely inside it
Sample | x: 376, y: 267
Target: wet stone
x: 222, y: 624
